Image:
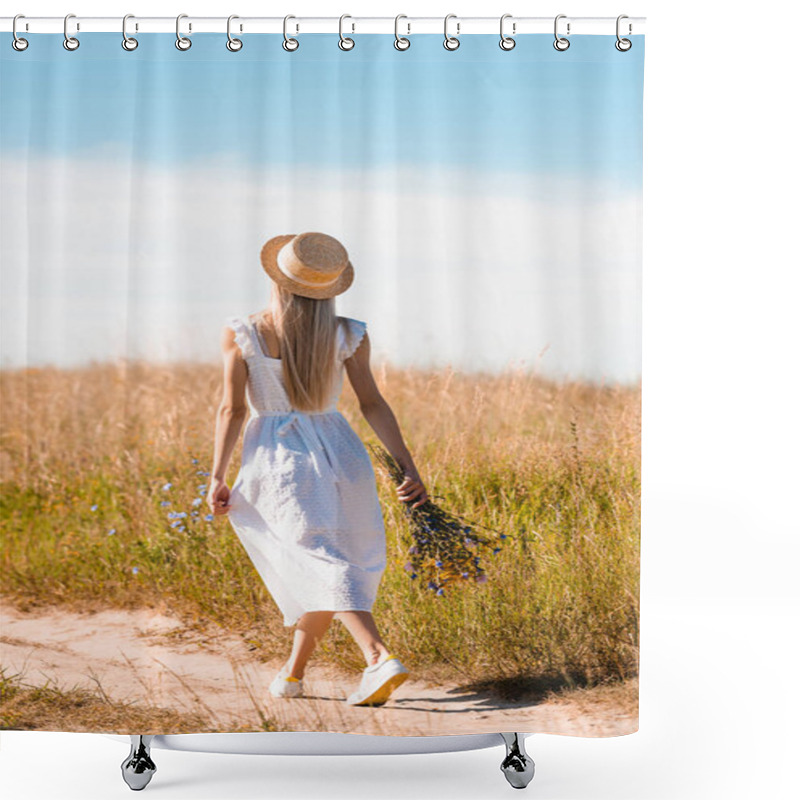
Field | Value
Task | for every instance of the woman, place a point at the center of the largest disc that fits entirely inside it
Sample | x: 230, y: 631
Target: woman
x: 304, y: 504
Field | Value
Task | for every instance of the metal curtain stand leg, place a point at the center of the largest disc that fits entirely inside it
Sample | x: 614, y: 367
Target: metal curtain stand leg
x: 138, y: 768
x: 517, y: 766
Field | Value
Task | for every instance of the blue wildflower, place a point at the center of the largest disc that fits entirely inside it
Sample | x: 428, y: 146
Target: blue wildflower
x: 208, y: 517
x: 197, y: 501
x: 112, y: 531
x: 94, y: 508
x: 135, y: 570
x: 166, y: 502
x: 166, y: 486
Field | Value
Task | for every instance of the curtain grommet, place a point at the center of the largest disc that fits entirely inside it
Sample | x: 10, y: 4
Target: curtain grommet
x: 182, y: 42
x: 233, y: 44
x: 70, y: 42
x: 129, y: 43
x: 401, y: 42
x: 561, y: 43
x: 290, y: 44
x: 345, y: 42
x: 451, y: 42
x: 17, y: 42
x: 507, y: 42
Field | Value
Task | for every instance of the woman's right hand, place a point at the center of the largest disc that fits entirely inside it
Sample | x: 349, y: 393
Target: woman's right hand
x: 218, y: 497
x: 411, y: 487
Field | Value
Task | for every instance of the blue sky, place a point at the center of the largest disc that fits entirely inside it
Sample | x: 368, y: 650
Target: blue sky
x: 569, y: 111
x: 469, y: 173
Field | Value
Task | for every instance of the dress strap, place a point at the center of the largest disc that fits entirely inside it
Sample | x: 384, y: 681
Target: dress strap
x: 259, y: 342
x: 350, y: 337
x: 243, y: 335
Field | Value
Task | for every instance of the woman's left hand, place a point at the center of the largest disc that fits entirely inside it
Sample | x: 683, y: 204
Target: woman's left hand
x: 219, y: 497
x: 411, y: 487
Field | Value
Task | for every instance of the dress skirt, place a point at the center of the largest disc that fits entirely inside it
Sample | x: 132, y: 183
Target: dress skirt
x: 305, y: 507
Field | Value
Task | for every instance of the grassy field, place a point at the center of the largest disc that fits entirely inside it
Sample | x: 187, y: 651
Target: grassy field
x: 86, y: 455
x: 27, y: 707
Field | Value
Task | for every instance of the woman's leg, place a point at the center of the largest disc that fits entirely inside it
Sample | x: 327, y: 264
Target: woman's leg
x: 363, y: 629
x: 310, y: 629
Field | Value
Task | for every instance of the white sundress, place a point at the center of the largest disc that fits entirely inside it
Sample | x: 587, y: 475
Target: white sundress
x: 305, y: 504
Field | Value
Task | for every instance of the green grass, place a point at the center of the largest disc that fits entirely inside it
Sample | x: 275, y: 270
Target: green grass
x: 27, y: 707
x: 554, y: 465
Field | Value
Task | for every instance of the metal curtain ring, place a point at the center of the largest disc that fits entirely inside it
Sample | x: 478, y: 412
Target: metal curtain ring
x: 623, y: 45
x: 70, y: 42
x: 128, y: 42
x: 345, y: 43
x: 18, y: 43
x: 233, y: 44
x: 289, y: 43
x: 451, y: 42
x: 560, y: 43
x: 182, y: 42
x: 400, y: 42
x: 507, y: 42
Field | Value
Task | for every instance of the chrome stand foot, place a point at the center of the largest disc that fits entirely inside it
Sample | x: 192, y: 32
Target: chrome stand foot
x: 517, y: 766
x: 138, y: 768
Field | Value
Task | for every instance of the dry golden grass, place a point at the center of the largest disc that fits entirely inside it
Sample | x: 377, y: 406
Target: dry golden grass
x: 554, y: 465
x: 30, y: 707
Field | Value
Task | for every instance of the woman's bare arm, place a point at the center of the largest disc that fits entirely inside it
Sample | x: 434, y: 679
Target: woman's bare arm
x: 230, y: 417
x: 382, y: 420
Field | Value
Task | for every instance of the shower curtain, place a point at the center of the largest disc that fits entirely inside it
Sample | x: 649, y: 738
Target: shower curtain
x: 489, y: 203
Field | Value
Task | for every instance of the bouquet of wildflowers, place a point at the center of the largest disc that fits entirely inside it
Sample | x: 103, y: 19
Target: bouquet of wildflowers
x: 445, y: 548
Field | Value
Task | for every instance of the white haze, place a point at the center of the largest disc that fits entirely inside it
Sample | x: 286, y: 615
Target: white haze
x: 102, y: 258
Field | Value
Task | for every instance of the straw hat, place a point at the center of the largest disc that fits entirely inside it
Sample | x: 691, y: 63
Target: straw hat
x: 309, y: 264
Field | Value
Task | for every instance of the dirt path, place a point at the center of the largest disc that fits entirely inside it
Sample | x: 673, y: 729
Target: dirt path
x: 144, y: 654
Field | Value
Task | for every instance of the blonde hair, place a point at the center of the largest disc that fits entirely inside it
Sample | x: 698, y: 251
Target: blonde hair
x: 306, y: 330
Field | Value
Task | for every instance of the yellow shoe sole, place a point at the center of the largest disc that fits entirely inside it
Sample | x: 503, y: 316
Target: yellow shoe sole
x: 381, y: 694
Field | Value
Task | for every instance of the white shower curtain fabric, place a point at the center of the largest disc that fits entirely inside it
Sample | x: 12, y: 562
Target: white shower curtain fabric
x: 489, y: 346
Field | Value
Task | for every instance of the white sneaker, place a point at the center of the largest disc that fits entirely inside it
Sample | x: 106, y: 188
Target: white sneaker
x: 284, y: 686
x: 378, y: 682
